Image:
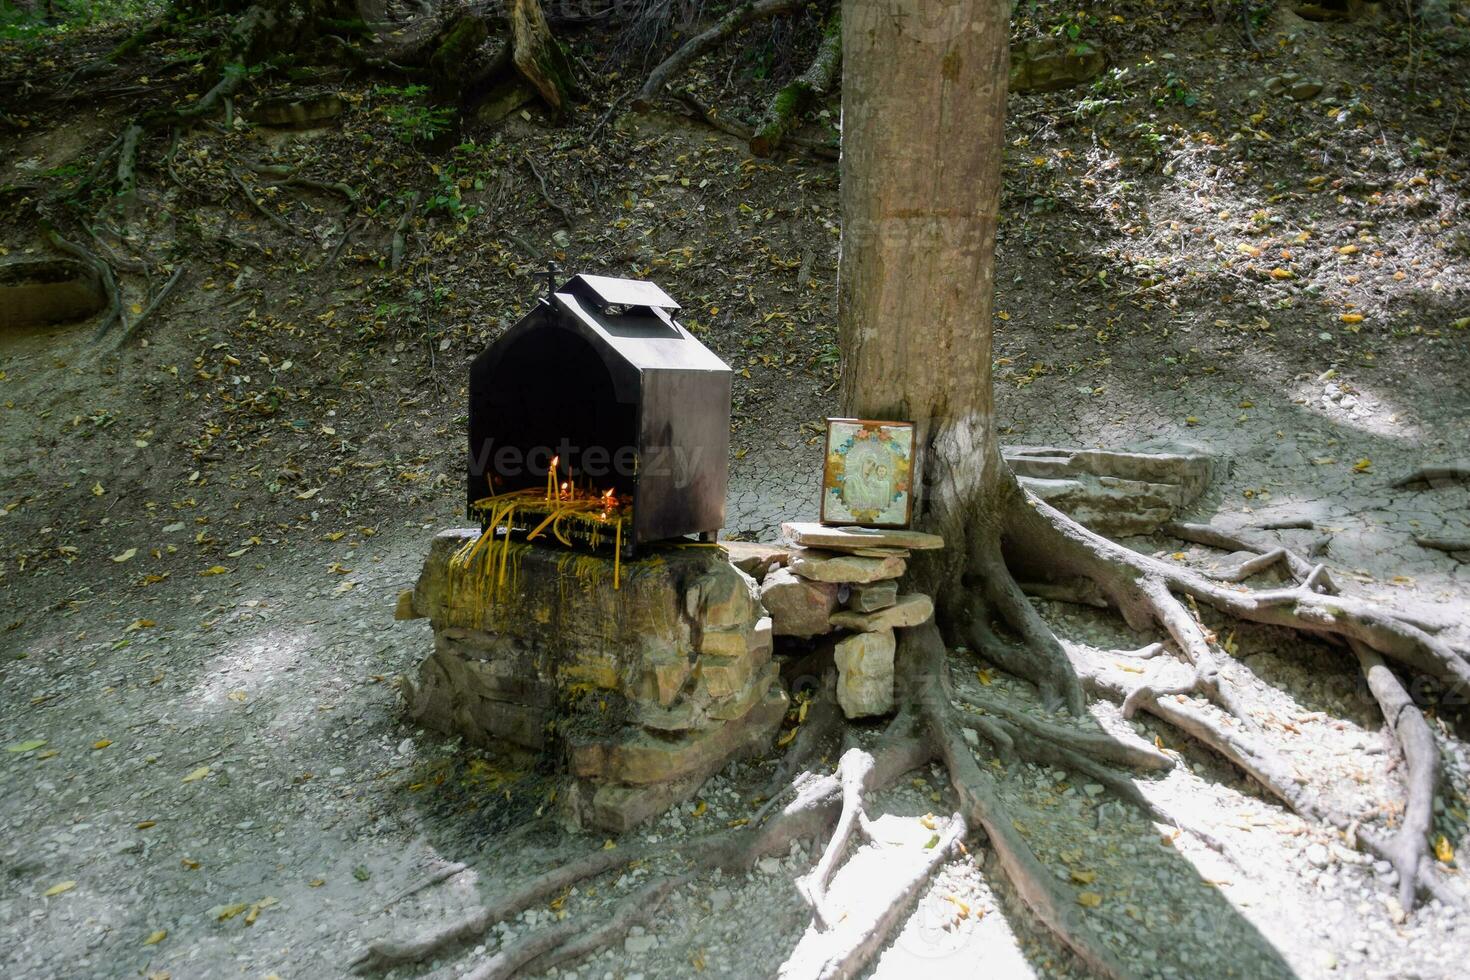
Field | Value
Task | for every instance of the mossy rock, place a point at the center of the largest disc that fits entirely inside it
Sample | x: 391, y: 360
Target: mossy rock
x: 1049, y: 64
x: 296, y: 112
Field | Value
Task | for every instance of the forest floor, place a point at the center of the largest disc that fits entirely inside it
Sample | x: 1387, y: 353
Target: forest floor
x: 206, y: 771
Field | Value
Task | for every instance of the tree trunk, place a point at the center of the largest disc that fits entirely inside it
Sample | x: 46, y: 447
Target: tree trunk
x: 923, y: 113
x: 538, y: 56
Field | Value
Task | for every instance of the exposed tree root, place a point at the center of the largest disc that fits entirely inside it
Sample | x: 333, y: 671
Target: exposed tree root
x: 1371, y: 631
x: 383, y: 955
x: 922, y: 654
x: 817, y: 802
x: 571, y: 939
x: 742, y: 132
x: 1447, y: 545
x: 1409, y: 847
x: 706, y: 41
x: 796, y: 97
x: 1430, y: 477
x: 854, y: 772
x: 823, y: 719
x: 1188, y: 690
x: 158, y: 300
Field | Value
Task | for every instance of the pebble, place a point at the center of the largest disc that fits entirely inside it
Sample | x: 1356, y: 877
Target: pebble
x: 1317, y: 856
x: 638, y: 945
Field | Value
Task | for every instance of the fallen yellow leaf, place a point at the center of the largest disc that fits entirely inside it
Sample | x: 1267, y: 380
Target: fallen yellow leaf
x: 55, y: 890
x: 214, y: 570
x: 1443, y: 850
x: 1280, y: 273
x: 125, y: 556
x: 1351, y: 318
x: 102, y: 743
x: 1089, y: 900
x: 1084, y: 877
x: 154, y: 938
x: 197, y: 774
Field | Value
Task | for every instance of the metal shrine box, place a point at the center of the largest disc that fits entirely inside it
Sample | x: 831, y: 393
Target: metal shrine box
x: 601, y: 377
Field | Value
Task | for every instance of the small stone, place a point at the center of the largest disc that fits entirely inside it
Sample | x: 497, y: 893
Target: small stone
x: 337, y: 771
x: 826, y: 566
x: 405, y: 746
x: 873, y: 596
x: 798, y: 606
x: 769, y: 865
x: 1093, y: 789
x: 909, y: 610
x: 720, y: 899
x: 811, y: 535
x: 865, y: 674
x: 639, y: 945
x: 1305, y: 89
x: 1317, y: 856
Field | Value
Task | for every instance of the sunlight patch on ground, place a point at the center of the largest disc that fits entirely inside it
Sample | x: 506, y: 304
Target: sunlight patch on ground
x: 243, y: 673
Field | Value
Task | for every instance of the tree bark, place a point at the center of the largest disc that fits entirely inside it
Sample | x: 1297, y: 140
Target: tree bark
x: 923, y: 113
x: 538, y: 56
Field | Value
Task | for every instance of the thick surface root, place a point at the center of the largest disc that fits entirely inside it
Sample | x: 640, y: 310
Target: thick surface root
x: 1145, y: 589
x: 1186, y: 687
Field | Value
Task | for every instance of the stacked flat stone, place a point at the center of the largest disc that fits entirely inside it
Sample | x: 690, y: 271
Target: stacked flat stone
x: 646, y: 690
x: 846, y: 580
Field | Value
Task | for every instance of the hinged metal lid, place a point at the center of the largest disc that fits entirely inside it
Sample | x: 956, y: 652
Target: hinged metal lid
x: 606, y: 291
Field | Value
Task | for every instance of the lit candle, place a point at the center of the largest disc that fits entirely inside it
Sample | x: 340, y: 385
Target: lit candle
x: 551, y: 478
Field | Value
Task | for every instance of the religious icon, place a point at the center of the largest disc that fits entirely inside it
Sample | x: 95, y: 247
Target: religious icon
x: 866, y: 479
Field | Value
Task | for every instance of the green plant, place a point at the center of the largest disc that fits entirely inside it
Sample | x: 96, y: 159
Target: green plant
x: 54, y: 17
x: 1174, y: 90
x: 414, y: 121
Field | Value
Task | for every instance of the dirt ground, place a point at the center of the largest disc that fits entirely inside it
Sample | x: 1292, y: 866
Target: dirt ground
x: 206, y: 769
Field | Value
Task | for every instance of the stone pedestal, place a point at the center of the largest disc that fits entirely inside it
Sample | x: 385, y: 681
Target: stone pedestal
x: 643, y: 691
